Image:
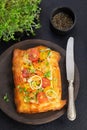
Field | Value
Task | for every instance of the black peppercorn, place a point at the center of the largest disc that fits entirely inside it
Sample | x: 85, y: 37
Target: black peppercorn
x: 62, y: 21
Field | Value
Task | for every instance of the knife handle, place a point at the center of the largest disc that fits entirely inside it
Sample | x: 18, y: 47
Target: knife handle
x: 71, y: 111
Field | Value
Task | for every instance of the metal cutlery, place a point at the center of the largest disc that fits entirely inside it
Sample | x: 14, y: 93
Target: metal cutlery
x: 71, y: 110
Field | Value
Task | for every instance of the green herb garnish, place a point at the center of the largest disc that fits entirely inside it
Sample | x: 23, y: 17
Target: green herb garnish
x: 47, y: 74
x: 6, y: 97
x: 49, y: 52
x: 26, y: 99
x: 18, y: 16
x: 22, y: 89
x: 47, y: 63
x: 31, y: 69
x: 18, y: 86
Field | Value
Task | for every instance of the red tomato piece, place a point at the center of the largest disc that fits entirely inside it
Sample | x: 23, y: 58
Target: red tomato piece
x: 25, y: 73
x: 34, y: 54
x: 45, y: 82
x: 41, y: 97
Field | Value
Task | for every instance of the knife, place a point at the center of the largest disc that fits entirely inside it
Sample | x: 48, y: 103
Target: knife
x: 71, y: 110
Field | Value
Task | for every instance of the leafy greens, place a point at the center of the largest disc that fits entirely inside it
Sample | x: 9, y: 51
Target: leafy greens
x: 18, y: 16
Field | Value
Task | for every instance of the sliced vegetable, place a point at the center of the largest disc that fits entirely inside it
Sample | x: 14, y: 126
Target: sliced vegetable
x: 35, y: 82
x: 34, y: 54
x: 25, y: 73
x: 51, y: 94
x: 41, y: 97
x: 45, y: 82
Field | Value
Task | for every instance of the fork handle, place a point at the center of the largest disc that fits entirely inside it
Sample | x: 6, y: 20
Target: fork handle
x: 71, y: 111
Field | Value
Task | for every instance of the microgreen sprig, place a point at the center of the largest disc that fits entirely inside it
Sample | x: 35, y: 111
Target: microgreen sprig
x: 6, y: 99
x: 18, y: 16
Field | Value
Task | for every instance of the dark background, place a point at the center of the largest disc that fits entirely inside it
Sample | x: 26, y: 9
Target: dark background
x: 80, y: 35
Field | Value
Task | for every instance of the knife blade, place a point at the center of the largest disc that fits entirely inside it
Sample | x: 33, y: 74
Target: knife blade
x: 71, y: 110
x: 70, y: 59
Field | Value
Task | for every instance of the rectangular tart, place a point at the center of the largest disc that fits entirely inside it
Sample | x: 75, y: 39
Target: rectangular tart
x: 37, y: 80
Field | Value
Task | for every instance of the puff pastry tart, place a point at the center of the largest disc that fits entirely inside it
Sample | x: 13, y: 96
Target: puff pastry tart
x: 37, y: 80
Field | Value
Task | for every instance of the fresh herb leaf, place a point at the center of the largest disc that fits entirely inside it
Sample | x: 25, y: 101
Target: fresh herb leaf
x: 18, y: 86
x: 22, y: 89
x: 31, y: 69
x: 49, y: 52
x: 18, y: 16
x: 47, y: 63
x: 47, y: 74
x: 6, y: 97
x: 26, y: 99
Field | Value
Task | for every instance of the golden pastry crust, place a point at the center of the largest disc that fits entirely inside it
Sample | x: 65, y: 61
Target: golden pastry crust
x: 37, y: 80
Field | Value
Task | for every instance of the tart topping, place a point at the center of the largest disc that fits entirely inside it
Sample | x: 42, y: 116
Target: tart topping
x: 34, y: 54
x: 47, y: 74
x: 37, y: 79
x: 51, y: 94
x: 45, y: 82
x: 41, y: 97
x: 35, y: 82
x: 25, y: 73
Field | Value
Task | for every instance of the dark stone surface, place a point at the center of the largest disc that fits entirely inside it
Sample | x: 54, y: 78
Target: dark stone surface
x: 80, y: 35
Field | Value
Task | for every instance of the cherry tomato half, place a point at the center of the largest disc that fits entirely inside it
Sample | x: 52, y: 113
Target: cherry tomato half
x: 41, y: 97
x: 45, y: 82
x: 25, y: 73
x: 34, y: 54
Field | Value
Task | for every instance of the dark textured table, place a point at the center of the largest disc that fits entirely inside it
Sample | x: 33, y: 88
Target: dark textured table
x: 80, y: 35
